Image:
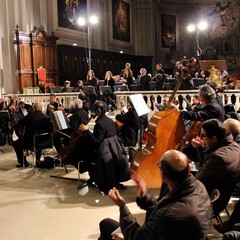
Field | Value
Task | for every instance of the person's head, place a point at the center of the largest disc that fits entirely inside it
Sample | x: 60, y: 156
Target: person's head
x: 212, y: 131
x: 80, y: 83
x: 143, y: 71
x: 52, y: 97
x: 206, y: 94
x: 195, y: 99
x: 232, y: 126
x: 82, y: 96
x: 21, y: 104
x: 90, y: 74
x: 108, y: 75
x: 78, y: 103
x: 174, y: 166
x: 127, y: 65
x: 99, y: 108
x: 158, y: 66
x: 37, y: 106
x: 165, y: 100
x: 67, y: 84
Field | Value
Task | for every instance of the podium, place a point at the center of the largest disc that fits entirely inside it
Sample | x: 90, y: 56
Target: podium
x: 214, y: 67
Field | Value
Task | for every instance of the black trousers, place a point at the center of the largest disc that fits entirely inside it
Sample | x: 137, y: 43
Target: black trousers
x: 107, y: 226
x: 19, y: 145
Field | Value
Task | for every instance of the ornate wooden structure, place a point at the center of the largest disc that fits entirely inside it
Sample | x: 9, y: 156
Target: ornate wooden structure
x: 35, y: 49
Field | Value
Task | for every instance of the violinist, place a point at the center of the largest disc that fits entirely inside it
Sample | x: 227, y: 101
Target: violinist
x: 106, y: 150
x: 129, y: 132
x: 78, y: 117
x: 53, y: 105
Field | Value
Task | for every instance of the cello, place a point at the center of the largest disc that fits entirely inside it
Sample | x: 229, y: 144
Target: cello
x: 165, y: 131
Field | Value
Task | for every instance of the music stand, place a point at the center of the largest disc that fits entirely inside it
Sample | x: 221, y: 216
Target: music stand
x: 56, y: 89
x: 70, y: 89
x: 121, y: 88
x: 141, y: 109
x: 170, y: 84
x: 197, y: 82
x: 134, y: 87
x: 106, y: 90
x: 152, y: 85
x: 89, y: 90
x: 4, y: 114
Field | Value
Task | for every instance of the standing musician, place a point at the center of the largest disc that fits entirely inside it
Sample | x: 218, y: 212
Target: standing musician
x: 106, y: 149
x: 127, y: 74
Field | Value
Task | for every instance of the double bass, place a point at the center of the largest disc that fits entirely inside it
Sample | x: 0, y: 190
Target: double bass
x: 165, y: 131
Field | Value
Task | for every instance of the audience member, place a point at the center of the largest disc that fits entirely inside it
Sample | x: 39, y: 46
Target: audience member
x: 35, y: 122
x: 219, y: 162
x: 182, y: 213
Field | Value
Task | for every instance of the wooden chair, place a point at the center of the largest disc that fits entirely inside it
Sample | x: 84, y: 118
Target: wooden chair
x: 42, y: 79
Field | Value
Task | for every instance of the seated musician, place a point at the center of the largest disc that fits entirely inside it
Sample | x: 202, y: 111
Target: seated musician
x: 53, y: 104
x: 129, y: 132
x: 34, y: 122
x: 78, y: 117
x: 106, y: 149
x: 211, y: 108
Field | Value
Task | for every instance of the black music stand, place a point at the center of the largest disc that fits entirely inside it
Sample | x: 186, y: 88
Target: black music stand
x: 89, y: 90
x: 106, y: 90
x: 170, y: 84
x: 197, y: 82
x: 152, y: 85
x: 134, y: 87
x: 121, y: 88
x: 55, y: 89
x: 4, y: 114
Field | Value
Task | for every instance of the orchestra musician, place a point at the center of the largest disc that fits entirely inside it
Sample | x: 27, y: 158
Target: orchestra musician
x: 53, y: 105
x: 34, y: 122
x: 127, y: 74
x: 129, y: 132
x: 106, y: 150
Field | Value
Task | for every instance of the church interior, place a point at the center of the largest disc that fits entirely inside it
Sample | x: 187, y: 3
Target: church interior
x: 43, y: 44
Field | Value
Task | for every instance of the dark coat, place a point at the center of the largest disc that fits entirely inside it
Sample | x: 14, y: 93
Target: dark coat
x: 220, y: 169
x: 112, y: 165
x: 35, y: 123
x: 130, y: 128
x: 143, y: 82
x: 79, y: 116
x: 111, y: 161
x: 184, y: 213
x: 210, y: 111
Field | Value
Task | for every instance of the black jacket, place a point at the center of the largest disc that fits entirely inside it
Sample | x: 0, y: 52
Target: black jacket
x: 183, y: 213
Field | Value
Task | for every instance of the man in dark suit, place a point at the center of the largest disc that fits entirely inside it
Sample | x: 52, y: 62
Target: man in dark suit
x: 35, y: 122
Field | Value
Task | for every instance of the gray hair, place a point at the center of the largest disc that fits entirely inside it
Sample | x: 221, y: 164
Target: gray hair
x: 78, y: 103
x: 207, y: 92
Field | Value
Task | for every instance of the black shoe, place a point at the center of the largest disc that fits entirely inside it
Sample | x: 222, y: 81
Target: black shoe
x: 20, y: 165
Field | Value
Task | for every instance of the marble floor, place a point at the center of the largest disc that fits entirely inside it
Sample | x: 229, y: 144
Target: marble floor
x: 36, y: 206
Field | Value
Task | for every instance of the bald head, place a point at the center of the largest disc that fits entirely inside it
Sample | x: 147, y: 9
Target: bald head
x: 38, y: 106
x: 232, y: 126
x: 174, y: 165
x: 78, y: 103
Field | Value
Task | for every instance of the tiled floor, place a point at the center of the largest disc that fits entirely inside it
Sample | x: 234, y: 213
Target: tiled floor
x: 35, y: 206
